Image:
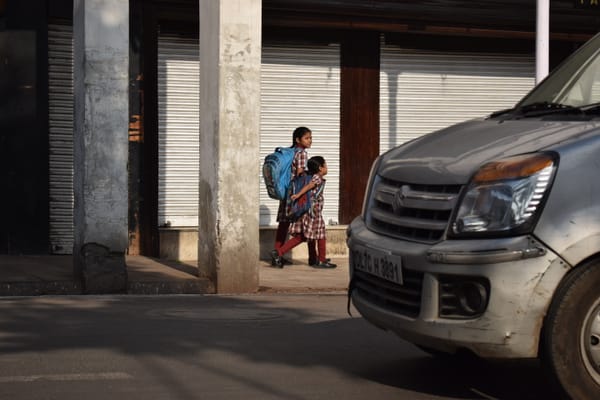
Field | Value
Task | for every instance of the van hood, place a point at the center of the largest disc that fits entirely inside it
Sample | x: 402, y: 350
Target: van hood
x: 452, y: 155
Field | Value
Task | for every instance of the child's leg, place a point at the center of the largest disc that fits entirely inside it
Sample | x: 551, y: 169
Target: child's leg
x: 323, y: 260
x: 281, y: 235
x: 312, y: 251
x: 322, y: 245
x: 276, y: 259
x: 290, y: 244
x: 283, y: 227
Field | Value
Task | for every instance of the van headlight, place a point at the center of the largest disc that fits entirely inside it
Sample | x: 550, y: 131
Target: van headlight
x: 505, y: 196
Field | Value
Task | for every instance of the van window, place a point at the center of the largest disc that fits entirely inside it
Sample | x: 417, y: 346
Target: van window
x: 576, y: 82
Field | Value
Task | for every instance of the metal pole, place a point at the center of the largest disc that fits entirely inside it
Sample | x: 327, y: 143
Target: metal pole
x: 542, y: 42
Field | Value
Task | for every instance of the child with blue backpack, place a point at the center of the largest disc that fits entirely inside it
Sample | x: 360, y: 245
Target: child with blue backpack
x: 301, y: 140
x: 311, y: 225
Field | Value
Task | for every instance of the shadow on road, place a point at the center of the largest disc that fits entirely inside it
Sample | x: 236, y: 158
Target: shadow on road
x: 245, y: 337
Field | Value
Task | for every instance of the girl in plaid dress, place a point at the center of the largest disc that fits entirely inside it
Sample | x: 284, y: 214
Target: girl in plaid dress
x: 301, y: 140
x: 310, y: 226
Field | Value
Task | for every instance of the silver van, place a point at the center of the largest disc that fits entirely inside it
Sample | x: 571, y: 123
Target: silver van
x: 485, y: 236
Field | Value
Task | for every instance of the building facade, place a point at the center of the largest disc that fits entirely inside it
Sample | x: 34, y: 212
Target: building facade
x: 134, y: 152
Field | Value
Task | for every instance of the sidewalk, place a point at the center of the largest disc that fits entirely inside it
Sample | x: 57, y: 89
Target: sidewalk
x: 53, y: 275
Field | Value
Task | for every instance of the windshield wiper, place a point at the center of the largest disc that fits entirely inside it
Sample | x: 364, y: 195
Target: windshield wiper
x: 545, y: 107
x: 593, y: 108
x: 496, y: 114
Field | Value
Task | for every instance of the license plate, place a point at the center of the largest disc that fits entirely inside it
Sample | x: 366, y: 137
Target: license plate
x: 377, y: 262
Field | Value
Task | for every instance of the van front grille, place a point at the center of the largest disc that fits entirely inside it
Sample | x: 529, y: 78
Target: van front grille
x: 411, y: 211
x: 400, y: 299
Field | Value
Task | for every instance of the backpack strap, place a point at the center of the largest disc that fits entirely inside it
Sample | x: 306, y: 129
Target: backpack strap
x: 317, y: 193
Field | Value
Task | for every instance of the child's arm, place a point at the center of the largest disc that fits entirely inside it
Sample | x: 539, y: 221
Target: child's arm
x: 310, y: 185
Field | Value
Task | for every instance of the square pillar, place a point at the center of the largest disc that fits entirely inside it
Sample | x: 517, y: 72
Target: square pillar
x: 101, y: 71
x: 230, y: 49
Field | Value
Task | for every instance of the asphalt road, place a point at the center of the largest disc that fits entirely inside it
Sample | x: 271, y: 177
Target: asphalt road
x: 228, y: 347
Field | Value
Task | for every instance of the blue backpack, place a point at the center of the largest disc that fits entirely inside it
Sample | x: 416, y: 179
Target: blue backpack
x: 297, y: 208
x: 303, y: 204
x: 277, y: 172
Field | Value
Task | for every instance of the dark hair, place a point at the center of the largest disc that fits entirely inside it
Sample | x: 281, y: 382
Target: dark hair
x: 298, y: 133
x: 314, y: 163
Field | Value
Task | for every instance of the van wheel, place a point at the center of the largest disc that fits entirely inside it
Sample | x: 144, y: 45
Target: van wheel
x: 570, y: 346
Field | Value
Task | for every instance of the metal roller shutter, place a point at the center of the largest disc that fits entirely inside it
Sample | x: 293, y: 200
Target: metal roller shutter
x: 423, y: 91
x: 178, y: 131
x: 300, y: 86
x: 60, y: 112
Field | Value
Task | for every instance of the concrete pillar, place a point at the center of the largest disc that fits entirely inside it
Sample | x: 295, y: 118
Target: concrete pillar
x: 101, y: 32
x: 230, y: 52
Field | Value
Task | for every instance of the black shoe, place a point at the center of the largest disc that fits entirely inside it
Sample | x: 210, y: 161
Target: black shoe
x: 312, y: 263
x: 285, y: 261
x: 325, y: 264
x: 276, y: 260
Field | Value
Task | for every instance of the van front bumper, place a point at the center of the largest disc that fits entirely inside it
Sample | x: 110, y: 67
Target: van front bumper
x: 515, y: 278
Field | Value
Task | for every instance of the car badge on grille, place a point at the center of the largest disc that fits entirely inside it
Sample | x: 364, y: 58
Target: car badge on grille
x: 399, y: 198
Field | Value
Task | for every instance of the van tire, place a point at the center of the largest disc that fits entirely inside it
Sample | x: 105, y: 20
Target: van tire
x: 570, y: 347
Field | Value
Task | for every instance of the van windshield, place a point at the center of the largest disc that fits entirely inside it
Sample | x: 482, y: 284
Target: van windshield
x: 575, y: 83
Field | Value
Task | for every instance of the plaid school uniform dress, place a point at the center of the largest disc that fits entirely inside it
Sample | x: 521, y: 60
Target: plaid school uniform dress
x: 300, y: 160
x: 312, y: 224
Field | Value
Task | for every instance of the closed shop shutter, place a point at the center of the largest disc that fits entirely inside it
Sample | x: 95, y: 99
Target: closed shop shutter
x: 60, y: 115
x: 300, y: 86
x: 178, y: 131
x: 423, y: 91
